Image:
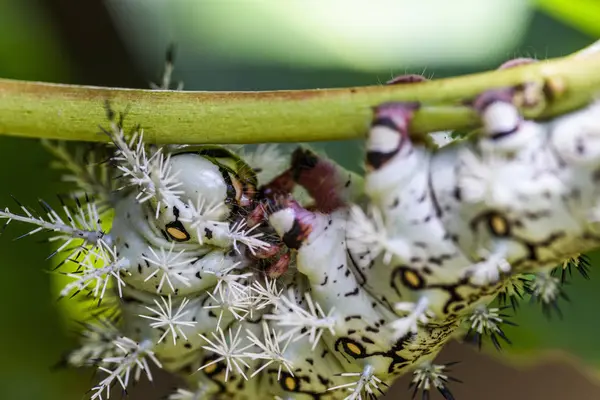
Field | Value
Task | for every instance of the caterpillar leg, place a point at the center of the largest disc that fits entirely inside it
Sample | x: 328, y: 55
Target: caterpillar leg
x: 329, y: 185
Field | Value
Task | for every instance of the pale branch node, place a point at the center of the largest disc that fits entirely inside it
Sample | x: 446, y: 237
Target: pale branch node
x: 232, y: 351
x: 131, y: 359
x: 487, y: 321
x: 364, y: 387
x: 70, y: 112
x: 96, y: 342
x: 547, y: 290
x: 238, y: 304
x: 369, y: 233
x: 271, y: 351
x: 167, y: 265
x: 428, y: 376
x: 240, y: 233
x: 79, y: 223
x: 88, y: 274
x: 265, y: 295
x: 546, y: 287
x: 166, y: 316
x: 301, y: 322
x: 231, y: 283
x: 152, y: 175
x: 489, y: 270
x: 203, y: 214
x: 417, y: 314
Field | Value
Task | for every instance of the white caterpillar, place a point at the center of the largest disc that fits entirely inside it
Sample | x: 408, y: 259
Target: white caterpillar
x: 212, y: 269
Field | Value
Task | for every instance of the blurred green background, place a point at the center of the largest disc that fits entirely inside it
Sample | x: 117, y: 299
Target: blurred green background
x: 256, y: 45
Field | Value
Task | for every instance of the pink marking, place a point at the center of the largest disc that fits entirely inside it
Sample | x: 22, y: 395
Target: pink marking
x: 516, y: 62
x: 279, y: 267
x: 399, y: 112
x: 489, y: 97
x: 406, y: 79
x: 269, y: 252
x: 256, y: 216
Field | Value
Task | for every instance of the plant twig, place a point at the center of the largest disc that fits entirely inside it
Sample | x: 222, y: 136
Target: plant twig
x: 67, y: 112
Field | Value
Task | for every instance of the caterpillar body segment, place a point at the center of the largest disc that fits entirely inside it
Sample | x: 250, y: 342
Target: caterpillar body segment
x: 417, y: 250
x: 359, y: 331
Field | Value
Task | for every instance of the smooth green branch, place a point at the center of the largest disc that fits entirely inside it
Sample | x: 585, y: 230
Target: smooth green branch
x: 69, y: 112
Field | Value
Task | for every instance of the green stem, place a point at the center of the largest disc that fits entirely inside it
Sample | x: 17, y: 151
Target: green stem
x: 68, y: 112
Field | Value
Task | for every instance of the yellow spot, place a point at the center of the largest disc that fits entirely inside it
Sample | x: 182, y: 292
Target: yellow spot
x: 290, y: 383
x: 354, y: 349
x: 177, y: 234
x: 210, y: 369
x: 412, y: 278
x: 499, y: 225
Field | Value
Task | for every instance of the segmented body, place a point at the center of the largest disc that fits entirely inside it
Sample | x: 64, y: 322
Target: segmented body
x: 224, y: 274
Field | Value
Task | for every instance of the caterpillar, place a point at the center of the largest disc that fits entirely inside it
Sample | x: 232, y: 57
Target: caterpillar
x: 217, y: 268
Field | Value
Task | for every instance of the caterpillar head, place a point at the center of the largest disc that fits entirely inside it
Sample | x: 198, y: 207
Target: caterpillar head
x: 213, y: 184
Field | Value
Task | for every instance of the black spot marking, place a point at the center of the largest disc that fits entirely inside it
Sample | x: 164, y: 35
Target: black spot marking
x: 377, y: 159
x: 324, y: 381
x: 457, y: 193
x: 367, y: 340
x: 293, y: 237
x: 502, y: 134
